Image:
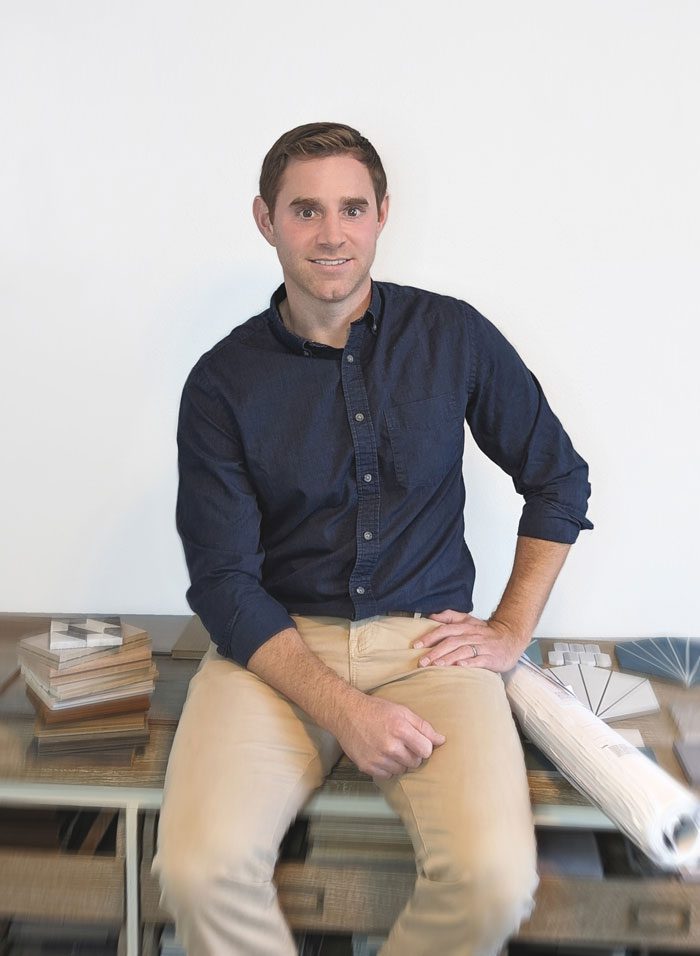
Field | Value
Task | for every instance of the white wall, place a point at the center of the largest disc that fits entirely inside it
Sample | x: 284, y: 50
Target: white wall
x: 543, y: 161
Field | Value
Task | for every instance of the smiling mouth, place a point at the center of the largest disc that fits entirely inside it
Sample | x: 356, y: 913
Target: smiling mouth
x: 330, y: 262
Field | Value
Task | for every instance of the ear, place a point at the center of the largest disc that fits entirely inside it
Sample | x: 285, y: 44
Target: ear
x: 383, y: 215
x: 263, y: 220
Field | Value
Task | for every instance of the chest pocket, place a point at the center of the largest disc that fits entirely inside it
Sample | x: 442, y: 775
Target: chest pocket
x: 427, y: 438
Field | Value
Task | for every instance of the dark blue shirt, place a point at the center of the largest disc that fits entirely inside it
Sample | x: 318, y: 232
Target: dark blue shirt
x: 317, y: 480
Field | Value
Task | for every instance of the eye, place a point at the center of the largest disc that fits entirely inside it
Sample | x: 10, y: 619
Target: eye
x: 353, y: 212
x: 306, y: 213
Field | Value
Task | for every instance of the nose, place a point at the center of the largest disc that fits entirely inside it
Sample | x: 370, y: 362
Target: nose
x: 331, y: 232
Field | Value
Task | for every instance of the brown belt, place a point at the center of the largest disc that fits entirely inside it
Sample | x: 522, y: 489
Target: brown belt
x: 405, y: 614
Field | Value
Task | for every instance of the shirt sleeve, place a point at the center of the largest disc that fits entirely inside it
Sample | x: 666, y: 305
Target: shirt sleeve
x: 218, y: 520
x: 513, y: 424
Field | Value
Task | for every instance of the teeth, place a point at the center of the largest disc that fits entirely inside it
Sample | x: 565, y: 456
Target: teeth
x: 329, y: 262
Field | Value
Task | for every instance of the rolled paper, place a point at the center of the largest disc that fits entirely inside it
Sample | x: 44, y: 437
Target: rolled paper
x: 656, y: 812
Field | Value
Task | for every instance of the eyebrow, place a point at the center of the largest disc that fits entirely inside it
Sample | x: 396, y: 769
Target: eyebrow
x: 345, y: 201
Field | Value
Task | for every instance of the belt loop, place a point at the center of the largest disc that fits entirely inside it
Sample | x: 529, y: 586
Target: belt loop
x: 417, y: 614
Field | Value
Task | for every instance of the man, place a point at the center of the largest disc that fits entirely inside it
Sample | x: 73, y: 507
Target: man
x: 321, y: 511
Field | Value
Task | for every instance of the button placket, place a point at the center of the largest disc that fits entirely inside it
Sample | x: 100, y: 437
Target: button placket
x: 366, y: 470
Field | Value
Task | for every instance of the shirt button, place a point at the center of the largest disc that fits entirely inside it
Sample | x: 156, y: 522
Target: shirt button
x: 367, y: 477
x: 368, y: 535
x: 360, y: 590
x: 359, y: 417
x: 349, y: 358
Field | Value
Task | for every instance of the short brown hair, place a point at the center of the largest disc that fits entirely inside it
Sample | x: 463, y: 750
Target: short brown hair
x: 315, y: 140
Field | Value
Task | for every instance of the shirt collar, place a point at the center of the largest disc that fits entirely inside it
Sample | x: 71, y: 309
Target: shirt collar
x: 306, y: 346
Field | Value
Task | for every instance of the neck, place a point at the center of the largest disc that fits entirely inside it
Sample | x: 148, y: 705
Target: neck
x: 325, y: 322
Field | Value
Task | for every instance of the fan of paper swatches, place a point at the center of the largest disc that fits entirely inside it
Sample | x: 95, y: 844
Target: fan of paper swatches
x: 609, y: 694
x: 672, y: 658
x: 533, y: 652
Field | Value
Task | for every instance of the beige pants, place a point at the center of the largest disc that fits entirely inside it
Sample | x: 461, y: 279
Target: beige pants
x: 245, y: 760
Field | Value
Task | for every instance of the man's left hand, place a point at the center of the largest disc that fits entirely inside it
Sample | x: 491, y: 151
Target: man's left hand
x: 467, y: 641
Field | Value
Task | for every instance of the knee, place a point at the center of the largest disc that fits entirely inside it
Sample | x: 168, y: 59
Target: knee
x: 494, y: 894
x: 504, y: 895
x: 192, y: 880
x: 185, y: 883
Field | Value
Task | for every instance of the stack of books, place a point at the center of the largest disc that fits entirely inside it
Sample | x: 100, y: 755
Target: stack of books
x: 90, y: 682
x: 378, y: 843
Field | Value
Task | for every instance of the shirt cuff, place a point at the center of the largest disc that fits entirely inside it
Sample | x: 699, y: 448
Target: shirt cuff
x: 548, y: 522
x: 251, y: 626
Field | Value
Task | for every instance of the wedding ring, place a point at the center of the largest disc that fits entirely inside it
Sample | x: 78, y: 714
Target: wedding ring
x: 475, y: 649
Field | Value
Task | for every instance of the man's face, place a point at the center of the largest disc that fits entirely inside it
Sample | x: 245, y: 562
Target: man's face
x: 325, y: 228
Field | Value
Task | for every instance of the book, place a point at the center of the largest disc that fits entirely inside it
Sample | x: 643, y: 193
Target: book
x: 127, y: 654
x: 120, y: 731
x: 120, y: 705
x: 85, y: 686
x: 379, y: 842
x: 39, y: 644
x: 53, y: 703
x: 118, y: 725
x: 365, y: 854
x: 125, y: 747
x: 83, y: 632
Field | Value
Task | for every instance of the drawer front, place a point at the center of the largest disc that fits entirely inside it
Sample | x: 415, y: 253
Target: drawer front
x: 60, y: 887
x: 353, y: 899
x: 632, y: 912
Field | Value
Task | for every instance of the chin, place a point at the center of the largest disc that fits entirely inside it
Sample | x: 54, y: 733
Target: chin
x: 338, y: 294
x: 333, y: 294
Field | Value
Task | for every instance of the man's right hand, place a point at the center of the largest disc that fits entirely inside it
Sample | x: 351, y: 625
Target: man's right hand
x: 384, y: 739
x: 380, y: 737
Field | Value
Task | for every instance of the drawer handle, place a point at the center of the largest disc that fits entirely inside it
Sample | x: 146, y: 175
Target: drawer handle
x: 302, y: 902
x: 660, y: 918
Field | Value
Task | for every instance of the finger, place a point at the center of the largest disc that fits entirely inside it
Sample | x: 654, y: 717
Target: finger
x: 381, y: 775
x: 402, y: 753
x: 448, y: 616
x: 388, y: 766
x: 487, y: 661
x: 447, y: 630
x: 427, y: 730
x: 451, y: 617
x: 464, y: 653
x: 419, y: 745
x: 492, y: 663
x: 444, y: 647
x: 408, y: 759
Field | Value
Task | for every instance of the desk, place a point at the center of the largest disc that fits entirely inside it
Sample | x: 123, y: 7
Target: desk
x: 659, y: 912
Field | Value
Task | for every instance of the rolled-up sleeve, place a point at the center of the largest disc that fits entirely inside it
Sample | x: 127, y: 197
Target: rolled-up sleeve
x: 218, y: 520
x: 512, y: 423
